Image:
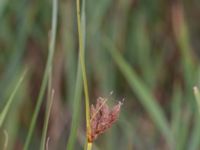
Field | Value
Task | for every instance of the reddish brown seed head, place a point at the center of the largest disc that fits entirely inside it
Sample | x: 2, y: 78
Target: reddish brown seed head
x: 102, y: 117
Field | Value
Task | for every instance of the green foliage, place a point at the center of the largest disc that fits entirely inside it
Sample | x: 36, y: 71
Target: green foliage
x: 144, y: 51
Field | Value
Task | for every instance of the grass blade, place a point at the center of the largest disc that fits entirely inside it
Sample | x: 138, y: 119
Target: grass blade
x: 76, y: 110
x: 195, y: 142
x: 197, y: 97
x: 10, y: 100
x: 141, y: 90
x: 46, y: 73
x: 6, y: 140
x: 49, y: 105
x: 78, y: 91
x: 183, y: 131
x: 81, y: 35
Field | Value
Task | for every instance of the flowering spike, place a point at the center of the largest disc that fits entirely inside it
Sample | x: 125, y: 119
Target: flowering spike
x: 102, y: 117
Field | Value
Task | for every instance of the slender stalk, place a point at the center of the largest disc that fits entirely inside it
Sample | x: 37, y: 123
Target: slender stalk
x: 49, y: 105
x: 82, y: 62
x: 47, y: 143
x: 197, y: 97
x: 142, y: 91
x: 89, y: 146
x: 11, y: 98
x: 46, y: 74
x: 6, y: 140
x: 76, y: 110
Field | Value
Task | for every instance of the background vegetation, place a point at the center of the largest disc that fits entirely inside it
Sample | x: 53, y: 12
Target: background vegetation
x: 146, y: 51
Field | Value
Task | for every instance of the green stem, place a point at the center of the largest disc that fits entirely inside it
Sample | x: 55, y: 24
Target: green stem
x: 197, y: 97
x: 46, y: 74
x: 89, y: 146
x: 82, y: 61
x: 10, y: 100
x: 46, y: 122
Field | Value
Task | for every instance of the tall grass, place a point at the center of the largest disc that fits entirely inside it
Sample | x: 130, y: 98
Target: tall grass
x: 83, y: 67
x: 145, y: 51
x: 141, y: 90
x: 6, y: 108
x: 47, y: 73
x: 46, y: 122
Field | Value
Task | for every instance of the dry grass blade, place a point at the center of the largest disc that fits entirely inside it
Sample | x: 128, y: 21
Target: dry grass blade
x: 47, y: 143
x: 6, y: 140
x: 197, y: 96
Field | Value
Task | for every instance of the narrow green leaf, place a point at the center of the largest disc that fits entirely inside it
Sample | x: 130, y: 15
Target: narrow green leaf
x: 194, y: 142
x: 76, y: 110
x: 10, y: 100
x: 46, y: 73
x: 48, y: 110
x: 141, y: 91
x: 195, y: 137
x: 81, y: 35
x: 197, y: 96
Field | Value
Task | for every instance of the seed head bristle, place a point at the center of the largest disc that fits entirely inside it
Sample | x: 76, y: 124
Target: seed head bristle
x: 102, y: 117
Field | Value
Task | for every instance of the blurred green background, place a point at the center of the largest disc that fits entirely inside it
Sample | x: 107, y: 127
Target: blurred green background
x: 146, y: 51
